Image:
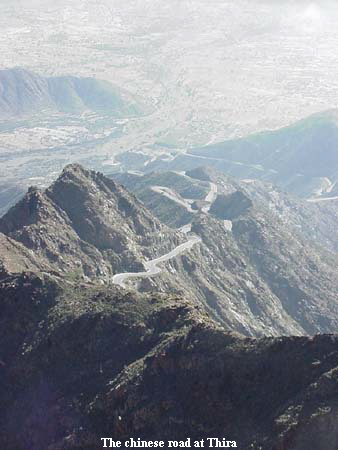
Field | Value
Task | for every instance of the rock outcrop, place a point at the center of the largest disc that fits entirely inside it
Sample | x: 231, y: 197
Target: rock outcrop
x: 86, y: 224
x: 79, y: 362
x: 232, y: 206
x: 271, y: 272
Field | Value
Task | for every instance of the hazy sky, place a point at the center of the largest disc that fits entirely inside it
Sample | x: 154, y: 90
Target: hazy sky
x: 224, y: 67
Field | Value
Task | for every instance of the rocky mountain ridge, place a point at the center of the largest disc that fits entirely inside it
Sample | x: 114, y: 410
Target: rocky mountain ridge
x: 252, y: 272
x: 81, y: 358
x: 79, y: 362
x: 85, y: 224
x: 268, y: 270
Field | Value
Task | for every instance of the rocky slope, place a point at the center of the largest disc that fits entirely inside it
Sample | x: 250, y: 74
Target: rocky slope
x: 251, y: 270
x: 81, y: 359
x: 231, y: 206
x: 170, y: 210
x: 315, y: 221
x: 266, y: 263
x: 23, y: 93
x: 79, y: 362
x: 16, y: 258
x: 85, y: 224
x: 256, y: 279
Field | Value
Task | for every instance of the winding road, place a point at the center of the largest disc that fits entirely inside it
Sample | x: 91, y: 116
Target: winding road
x: 166, y: 192
x: 257, y: 167
x: 152, y: 265
x: 321, y: 199
x: 211, y: 197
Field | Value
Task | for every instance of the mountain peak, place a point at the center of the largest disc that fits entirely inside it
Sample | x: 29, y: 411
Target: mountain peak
x: 73, y: 168
x: 34, y: 207
x: 87, y: 223
x: 73, y: 171
x: 33, y: 190
x: 76, y: 183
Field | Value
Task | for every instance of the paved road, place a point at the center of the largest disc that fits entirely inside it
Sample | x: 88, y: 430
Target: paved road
x: 228, y: 225
x: 321, y: 199
x: 173, y: 196
x: 211, y: 197
x: 152, y: 265
x: 230, y: 161
x: 186, y: 228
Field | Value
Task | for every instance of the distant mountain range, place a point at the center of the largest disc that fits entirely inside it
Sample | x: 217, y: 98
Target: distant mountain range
x: 23, y: 93
x: 301, y: 158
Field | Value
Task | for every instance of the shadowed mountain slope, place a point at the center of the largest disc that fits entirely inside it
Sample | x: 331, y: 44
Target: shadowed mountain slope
x: 81, y: 362
x: 302, y: 158
x: 23, y: 92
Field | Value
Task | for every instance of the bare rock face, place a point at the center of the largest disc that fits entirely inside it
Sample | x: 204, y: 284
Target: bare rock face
x: 16, y: 258
x: 87, y: 224
x: 203, y: 173
x: 273, y: 272
x: 229, y: 207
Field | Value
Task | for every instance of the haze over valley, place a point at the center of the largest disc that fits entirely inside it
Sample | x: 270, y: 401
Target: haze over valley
x: 203, y: 71
x: 168, y: 223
